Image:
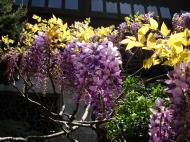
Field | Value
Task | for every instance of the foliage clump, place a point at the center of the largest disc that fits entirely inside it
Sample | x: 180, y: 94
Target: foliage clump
x: 10, y: 19
x: 131, y: 120
x: 168, y: 47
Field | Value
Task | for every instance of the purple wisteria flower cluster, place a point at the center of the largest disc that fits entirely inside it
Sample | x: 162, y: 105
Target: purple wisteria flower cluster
x: 10, y: 60
x: 92, y: 69
x: 130, y: 27
x: 97, y: 73
x: 178, y: 90
x: 160, y: 123
x: 34, y: 60
x: 174, y: 121
x: 181, y: 21
x: 137, y: 22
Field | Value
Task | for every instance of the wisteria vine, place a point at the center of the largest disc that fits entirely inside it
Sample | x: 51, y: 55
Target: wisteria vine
x: 92, y: 69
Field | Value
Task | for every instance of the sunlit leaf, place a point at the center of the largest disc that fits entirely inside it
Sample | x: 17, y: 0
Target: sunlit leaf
x: 6, y: 40
x: 131, y: 38
x: 35, y: 28
x: 125, y: 41
x: 184, y: 41
x: 158, y: 46
x: 178, y: 49
x: 143, y: 30
x: 141, y: 38
x: 36, y: 18
x: 174, y: 39
x: 167, y: 63
x: 153, y: 24
x: 173, y: 60
x: 189, y: 33
x: 147, y: 63
x: 28, y: 26
x: 186, y: 33
x: 138, y: 44
x: 184, y: 56
x: 156, y: 62
x: 164, y: 30
x: 131, y: 45
x: 147, y: 48
x: 188, y: 43
x: 151, y: 40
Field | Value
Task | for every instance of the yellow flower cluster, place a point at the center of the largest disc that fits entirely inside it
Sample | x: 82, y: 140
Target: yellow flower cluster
x: 169, y: 48
x: 84, y: 32
x: 59, y: 34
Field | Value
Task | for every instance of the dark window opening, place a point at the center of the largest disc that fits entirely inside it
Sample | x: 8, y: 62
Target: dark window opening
x: 97, y: 5
x: 125, y: 8
x: 152, y: 9
x: 71, y: 4
x: 111, y: 7
x: 21, y: 2
x: 54, y: 3
x: 139, y: 8
x: 165, y: 12
x: 38, y: 3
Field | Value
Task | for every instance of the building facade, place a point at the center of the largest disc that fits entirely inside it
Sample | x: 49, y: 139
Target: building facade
x: 103, y: 12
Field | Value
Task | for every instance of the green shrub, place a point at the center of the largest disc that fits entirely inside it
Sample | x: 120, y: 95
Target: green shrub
x: 132, y: 114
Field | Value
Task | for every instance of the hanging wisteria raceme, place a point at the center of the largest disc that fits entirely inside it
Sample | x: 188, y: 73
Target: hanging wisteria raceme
x: 10, y: 59
x: 97, y: 73
x: 29, y: 63
x: 122, y: 29
x: 67, y: 70
x: 34, y: 60
x: 134, y: 27
x: 178, y: 23
x: 160, y: 123
x: 178, y: 90
x: 186, y: 18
